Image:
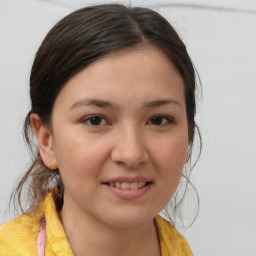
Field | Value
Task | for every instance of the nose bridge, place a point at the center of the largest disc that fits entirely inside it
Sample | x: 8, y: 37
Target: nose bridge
x: 130, y: 148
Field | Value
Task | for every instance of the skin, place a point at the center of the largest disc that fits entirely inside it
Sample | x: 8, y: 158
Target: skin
x: 124, y: 141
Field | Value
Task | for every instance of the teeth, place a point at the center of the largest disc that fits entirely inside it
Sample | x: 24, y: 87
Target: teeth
x: 118, y: 185
x: 142, y: 183
x: 134, y: 185
x: 127, y: 185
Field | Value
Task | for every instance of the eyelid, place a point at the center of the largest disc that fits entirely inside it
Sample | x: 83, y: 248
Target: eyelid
x: 87, y: 118
x: 169, y: 119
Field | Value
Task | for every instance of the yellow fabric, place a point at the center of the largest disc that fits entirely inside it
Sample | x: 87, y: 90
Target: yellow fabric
x: 18, y: 236
x: 171, y: 241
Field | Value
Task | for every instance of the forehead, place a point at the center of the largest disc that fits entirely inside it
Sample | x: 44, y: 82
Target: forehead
x: 135, y: 74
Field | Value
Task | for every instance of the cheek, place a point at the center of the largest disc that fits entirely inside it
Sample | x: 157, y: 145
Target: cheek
x: 171, y: 151
x: 169, y: 159
x: 79, y: 158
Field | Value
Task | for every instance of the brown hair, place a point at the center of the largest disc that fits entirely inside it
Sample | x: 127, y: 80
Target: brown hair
x: 77, y: 40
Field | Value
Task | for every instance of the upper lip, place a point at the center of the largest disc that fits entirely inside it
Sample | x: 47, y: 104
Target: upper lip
x: 127, y: 179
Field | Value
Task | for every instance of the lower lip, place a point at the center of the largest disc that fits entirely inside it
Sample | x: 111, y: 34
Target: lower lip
x: 129, y: 194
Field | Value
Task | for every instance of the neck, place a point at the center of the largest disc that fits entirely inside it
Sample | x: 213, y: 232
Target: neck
x: 89, y: 236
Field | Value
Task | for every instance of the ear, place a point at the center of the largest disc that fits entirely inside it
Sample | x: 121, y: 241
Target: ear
x: 45, y: 141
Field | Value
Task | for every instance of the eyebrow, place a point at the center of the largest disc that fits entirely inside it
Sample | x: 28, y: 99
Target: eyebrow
x: 107, y: 104
x: 161, y: 102
x: 96, y: 102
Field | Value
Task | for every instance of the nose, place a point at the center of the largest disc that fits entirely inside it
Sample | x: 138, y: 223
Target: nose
x: 129, y: 148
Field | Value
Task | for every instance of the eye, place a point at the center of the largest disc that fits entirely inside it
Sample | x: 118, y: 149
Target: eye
x: 160, y: 120
x: 94, y: 121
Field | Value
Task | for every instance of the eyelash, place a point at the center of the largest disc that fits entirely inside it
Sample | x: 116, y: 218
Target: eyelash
x: 89, y: 119
x: 167, y: 119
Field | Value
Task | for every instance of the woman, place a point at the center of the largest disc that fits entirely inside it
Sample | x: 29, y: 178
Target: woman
x: 112, y: 107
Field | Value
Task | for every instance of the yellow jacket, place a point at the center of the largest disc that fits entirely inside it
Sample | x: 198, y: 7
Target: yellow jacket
x: 18, y: 237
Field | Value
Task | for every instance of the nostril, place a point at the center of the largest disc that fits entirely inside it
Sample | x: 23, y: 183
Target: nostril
x: 129, y: 151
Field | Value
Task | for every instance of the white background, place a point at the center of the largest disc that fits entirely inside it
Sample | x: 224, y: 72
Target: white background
x: 222, y: 44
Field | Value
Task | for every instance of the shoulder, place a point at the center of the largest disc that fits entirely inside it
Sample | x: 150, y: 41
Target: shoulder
x: 19, y: 235
x: 171, y: 241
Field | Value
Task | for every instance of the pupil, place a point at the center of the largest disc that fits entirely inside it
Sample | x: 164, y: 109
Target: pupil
x: 95, y: 120
x: 157, y: 120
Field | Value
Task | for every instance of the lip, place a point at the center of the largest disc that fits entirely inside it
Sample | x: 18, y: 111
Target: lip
x: 128, y: 194
x: 128, y: 179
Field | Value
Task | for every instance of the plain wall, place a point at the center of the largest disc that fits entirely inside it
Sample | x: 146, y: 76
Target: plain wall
x: 221, y: 39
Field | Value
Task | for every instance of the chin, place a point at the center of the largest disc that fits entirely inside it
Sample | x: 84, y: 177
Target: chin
x: 130, y: 219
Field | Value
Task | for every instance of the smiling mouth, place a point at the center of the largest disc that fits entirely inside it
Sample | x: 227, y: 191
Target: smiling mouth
x: 128, y: 185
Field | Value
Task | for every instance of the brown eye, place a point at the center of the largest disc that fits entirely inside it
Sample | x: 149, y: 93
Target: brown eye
x: 157, y: 120
x: 160, y: 120
x: 95, y: 121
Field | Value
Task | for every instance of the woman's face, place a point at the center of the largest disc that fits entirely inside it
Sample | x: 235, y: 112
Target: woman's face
x: 120, y: 137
